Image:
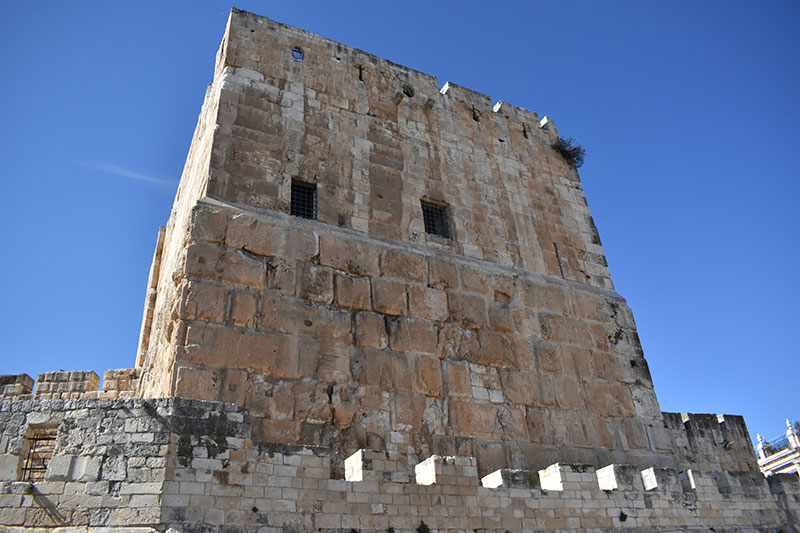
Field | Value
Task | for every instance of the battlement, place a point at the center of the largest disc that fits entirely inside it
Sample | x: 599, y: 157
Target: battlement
x: 74, y: 384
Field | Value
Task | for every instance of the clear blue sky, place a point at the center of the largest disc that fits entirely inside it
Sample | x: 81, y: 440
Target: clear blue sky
x: 689, y: 112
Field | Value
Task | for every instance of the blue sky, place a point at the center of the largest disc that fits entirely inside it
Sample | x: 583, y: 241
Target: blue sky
x: 688, y: 112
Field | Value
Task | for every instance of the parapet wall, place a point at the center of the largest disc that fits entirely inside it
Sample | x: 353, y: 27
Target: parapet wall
x: 147, y: 465
x: 74, y: 384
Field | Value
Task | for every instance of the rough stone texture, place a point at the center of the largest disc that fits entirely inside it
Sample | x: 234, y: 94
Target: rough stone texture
x: 504, y: 349
x: 363, y: 296
x: 190, y: 465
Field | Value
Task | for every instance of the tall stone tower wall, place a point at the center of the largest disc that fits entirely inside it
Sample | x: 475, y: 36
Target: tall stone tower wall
x: 361, y: 368
x: 359, y: 328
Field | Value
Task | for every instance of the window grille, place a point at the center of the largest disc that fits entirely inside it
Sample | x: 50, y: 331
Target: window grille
x: 304, y: 199
x: 435, y: 218
x: 41, y: 444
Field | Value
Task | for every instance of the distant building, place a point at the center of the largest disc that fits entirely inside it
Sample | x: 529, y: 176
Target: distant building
x: 780, y: 456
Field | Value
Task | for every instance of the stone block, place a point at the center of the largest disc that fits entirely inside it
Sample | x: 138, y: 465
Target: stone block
x: 354, y: 467
x: 196, y: 383
x: 428, y: 376
x: 649, y: 480
x: 428, y: 303
x: 208, y: 224
x: 511, y: 479
x: 352, y: 256
x: 495, y: 350
x: 316, y: 284
x: 389, y: 297
x: 443, y: 274
x: 60, y: 468
x: 9, y: 467
x: 404, y: 265
x: 203, y: 301
x: 458, y: 383
x: 426, y: 472
x: 607, y: 478
x: 412, y: 335
x: 243, y: 309
x: 608, y: 399
x: 551, y: 478
x: 539, y: 296
x: 353, y: 293
x: 277, y: 431
x: 282, y: 275
x: 212, y: 262
x: 468, y: 311
x: 86, y: 469
x: 371, y: 331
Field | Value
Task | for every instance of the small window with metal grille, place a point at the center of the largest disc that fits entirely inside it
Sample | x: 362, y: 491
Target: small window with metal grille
x: 41, y: 443
x: 304, y: 199
x: 435, y: 218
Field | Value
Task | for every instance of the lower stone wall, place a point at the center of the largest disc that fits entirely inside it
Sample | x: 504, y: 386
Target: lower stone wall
x: 189, y: 465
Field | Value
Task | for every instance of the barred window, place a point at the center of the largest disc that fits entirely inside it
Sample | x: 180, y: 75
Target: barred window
x: 304, y: 199
x: 435, y: 218
x: 41, y: 443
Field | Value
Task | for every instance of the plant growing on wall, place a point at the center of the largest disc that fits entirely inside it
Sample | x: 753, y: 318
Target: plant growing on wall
x: 570, y: 150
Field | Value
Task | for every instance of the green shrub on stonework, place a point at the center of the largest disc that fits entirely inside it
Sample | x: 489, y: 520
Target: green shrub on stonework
x: 570, y: 150
x: 423, y: 527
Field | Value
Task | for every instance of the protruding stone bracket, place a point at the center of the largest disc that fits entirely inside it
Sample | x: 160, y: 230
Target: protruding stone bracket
x: 550, y: 478
x: 354, y: 467
x: 687, y: 480
x: 560, y: 477
x: 510, y: 478
x: 459, y: 471
x: 547, y: 124
x: 425, y: 472
x: 649, y: 481
x: 607, y: 477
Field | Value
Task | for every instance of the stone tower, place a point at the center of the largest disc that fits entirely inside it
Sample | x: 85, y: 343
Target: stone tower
x: 378, y: 305
x: 492, y: 329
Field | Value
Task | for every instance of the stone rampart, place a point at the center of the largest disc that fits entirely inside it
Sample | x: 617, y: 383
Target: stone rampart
x: 148, y: 465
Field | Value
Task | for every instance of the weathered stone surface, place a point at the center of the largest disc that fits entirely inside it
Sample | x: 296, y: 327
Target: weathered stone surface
x: 243, y: 309
x: 467, y: 311
x: 352, y: 293
x: 371, y: 330
x: 428, y: 303
x: 389, y: 297
x: 443, y: 274
x: 316, y: 284
x: 354, y: 257
x: 211, y: 262
x: 412, y: 335
x: 404, y: 265
x: 209, y: 224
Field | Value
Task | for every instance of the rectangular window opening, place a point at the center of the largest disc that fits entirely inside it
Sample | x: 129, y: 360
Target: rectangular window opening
x: 41, y: 444
x: 435, y: 218
x: 304, y: 199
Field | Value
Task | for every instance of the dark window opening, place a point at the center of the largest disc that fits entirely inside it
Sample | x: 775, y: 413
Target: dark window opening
x: 297, y: 54
x: 360, y: 73
x: 435, y: 218
x: 408, y: 90
x: 41, y: 443
x: 304, y: 199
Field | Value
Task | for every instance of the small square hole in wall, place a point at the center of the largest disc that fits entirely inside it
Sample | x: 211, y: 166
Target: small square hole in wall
x: 435, y: 217
x: 40, y: 446
x: 304, y: 199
